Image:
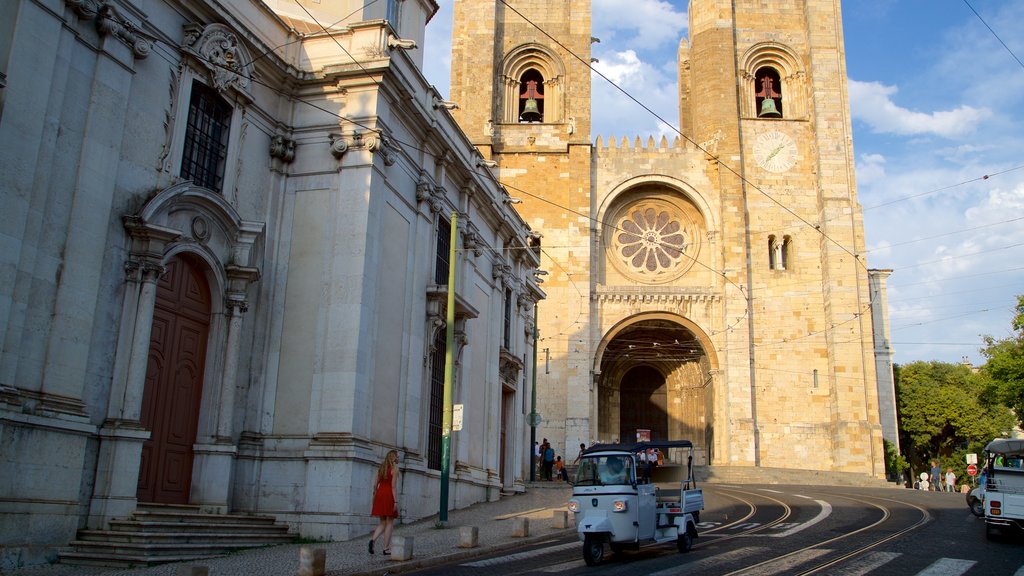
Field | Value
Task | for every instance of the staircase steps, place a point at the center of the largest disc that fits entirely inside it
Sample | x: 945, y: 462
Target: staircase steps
x: 157, y: 534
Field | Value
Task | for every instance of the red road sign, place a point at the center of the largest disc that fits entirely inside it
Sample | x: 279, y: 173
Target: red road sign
x: 972, y: 469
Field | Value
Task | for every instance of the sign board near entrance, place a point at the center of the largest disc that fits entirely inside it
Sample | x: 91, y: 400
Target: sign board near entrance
x: 972, y: 469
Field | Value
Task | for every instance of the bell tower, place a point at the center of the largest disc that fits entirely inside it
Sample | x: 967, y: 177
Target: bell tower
x: 765, y: 83
x: 520, y: 75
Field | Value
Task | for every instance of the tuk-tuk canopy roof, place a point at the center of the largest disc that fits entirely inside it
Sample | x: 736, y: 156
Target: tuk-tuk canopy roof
x: 1008, y: 446
x: 635, y: 447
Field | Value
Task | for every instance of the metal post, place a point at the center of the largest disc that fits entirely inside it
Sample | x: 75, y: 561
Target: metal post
x: 446, y: 422
x: 533, y: 400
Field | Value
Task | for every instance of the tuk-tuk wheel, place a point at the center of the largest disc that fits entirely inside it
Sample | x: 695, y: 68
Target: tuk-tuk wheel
x: 593, y: 550
x: 685, y: 541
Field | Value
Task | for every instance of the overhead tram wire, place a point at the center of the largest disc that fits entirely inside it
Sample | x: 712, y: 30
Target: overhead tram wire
x: 994, y: 34
x: 950, y: 187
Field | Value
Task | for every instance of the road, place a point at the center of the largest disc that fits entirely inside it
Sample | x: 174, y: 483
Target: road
x: 794, y: 530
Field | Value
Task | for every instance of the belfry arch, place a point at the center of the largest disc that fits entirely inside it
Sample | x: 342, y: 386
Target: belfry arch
x: 656, y: 371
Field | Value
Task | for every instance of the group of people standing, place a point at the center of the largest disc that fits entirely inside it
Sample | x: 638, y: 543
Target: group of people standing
x: 550, y: 465
x: 935, y: 481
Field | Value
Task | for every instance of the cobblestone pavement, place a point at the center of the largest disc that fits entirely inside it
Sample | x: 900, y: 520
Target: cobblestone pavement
x: 431, y: 545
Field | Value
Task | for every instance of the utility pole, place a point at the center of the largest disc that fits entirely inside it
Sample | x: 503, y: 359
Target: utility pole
x: 533, y: 399
x: 446, y: 422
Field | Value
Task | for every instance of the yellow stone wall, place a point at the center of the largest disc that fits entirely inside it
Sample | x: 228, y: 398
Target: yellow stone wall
x: 787, y: 373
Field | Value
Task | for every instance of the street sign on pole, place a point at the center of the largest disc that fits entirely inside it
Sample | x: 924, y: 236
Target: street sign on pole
x: 972, y: 469
x: 972, y: 458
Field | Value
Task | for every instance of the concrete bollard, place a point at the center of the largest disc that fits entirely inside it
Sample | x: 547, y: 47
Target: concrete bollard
x: 560, y: 519
x: 520, y: 527
x: 192, y: 571
x: 312, y: 561
x: 401, y: 548
x: 469, y: 537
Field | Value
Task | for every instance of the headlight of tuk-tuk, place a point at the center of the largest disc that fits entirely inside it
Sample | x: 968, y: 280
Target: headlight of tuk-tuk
x: 574, y: 506
x: 619, y: 506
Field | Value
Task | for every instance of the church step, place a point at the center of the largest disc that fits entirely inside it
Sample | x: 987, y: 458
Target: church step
x: 161, y: 534
x: 190, y: 537
x: 211, y: 527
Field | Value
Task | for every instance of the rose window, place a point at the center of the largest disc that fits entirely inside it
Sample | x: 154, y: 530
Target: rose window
x: 651, y: 241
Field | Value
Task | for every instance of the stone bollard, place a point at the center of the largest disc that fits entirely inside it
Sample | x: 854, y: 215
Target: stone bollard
x: 520, y: 527
x: 312, y: 561
x: 560, y: 519
x: 192, y: 571
x: 469, y: 537
x: 401, y: 548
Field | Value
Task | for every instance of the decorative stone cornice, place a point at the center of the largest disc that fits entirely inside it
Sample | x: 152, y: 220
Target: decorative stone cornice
x: 282, y: 148
x: 338, y: 145
x: 652, y: 294
x: 219, y: 50
x: 110, y: 22
x: 383, y: 145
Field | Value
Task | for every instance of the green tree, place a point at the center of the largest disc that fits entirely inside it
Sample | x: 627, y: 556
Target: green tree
x: 945, y: 412
x: 1005, y: 366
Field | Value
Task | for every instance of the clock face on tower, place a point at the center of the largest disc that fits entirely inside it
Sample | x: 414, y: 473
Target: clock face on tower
x: 775, y: 151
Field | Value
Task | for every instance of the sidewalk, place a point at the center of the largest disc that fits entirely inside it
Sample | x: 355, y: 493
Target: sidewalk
x: 431, y: 546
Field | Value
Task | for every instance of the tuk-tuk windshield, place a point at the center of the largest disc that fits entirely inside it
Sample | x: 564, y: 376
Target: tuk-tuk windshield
x: 602, y: 470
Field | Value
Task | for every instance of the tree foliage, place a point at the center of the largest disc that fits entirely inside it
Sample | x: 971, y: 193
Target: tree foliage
x: 945, y: 411
x: 1005, y: 366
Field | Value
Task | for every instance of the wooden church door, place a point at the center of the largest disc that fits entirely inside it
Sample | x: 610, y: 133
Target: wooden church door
x: 174, y: 383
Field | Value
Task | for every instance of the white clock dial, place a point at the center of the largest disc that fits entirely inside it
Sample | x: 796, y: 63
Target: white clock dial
x: 775, y: 151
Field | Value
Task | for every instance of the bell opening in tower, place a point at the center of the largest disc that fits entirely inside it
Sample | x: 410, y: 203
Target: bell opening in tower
x: 769, y: 93
x: 531, y: 97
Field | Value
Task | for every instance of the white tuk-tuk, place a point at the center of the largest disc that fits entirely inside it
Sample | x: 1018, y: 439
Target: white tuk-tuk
x: 1004, y: 485
x: 615, y: 501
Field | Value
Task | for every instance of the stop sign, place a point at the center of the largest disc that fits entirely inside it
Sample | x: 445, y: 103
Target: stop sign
x: 972, y: 469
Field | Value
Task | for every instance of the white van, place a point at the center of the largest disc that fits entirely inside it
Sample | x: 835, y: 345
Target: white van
x: 1004, y: 485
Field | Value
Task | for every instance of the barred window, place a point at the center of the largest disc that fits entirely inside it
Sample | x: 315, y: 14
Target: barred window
x: 206, y: 138
x: 444, y: 241
x: 436, y: 417
x: 506, y: 337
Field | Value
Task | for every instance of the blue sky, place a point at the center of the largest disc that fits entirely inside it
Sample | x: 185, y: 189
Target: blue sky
x: 937, y: 103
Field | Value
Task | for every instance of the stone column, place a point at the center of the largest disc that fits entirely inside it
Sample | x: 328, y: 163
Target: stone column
x: 122, y: 434
x: 212, y: 463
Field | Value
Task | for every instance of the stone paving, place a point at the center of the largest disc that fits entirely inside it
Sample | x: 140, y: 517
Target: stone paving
x: 496, y: 523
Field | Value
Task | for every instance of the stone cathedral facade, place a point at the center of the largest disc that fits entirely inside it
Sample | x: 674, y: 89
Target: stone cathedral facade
x: 224, y: 254
x: 710, y: 287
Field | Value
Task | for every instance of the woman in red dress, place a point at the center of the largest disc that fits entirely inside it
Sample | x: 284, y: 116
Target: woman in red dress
x: 385, y: 505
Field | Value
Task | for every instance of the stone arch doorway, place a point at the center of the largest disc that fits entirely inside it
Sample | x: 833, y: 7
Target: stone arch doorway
x: 657, y: 372
x: 174, y: 381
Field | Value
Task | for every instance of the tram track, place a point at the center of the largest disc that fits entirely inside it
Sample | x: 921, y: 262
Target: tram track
x: 778, y: 564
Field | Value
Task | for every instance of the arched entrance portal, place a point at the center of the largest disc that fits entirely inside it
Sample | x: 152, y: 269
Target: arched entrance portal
x: 174, y: 382
x: 656, y: 374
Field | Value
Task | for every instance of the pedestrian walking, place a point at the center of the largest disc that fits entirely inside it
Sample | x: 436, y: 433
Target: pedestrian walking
x: 385, y: 502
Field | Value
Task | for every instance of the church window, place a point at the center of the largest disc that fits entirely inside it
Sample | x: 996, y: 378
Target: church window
x: 436, y: 415
x: 773, y: 81
x: 768, y: 91
x: 206, y: 138
x: 444, y: 233
x: 778, y: 252
x: 531, y: 97
x: 506, y: 337
x: 531, y: 77
x: 651, y: 239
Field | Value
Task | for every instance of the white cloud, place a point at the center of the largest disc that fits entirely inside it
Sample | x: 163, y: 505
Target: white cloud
x: 638, y: 24
x: 871, y: 102
x: 616, y: 114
